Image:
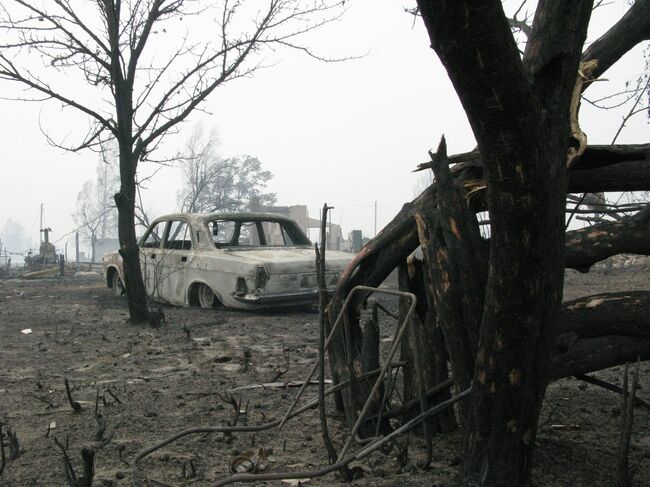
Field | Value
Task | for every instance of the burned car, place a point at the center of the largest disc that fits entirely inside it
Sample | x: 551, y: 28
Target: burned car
x: 245, y: 261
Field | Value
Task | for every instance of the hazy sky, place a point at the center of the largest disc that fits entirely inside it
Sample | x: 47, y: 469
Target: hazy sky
x: 348, y: 134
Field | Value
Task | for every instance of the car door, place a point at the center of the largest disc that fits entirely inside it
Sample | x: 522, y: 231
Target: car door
x: 176, y: 256
x: 150, y: 254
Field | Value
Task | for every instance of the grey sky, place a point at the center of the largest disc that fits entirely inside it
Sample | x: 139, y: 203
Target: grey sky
x: 346, y: 133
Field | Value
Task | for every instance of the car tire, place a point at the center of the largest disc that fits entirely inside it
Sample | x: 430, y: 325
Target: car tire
x: 206, y: 296
x: 118, y: 285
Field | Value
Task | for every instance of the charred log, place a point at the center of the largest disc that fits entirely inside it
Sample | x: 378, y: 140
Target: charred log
x: 596, y: 156
x: 585, y: 247
x: 601, y: 331
x: 622, y: 176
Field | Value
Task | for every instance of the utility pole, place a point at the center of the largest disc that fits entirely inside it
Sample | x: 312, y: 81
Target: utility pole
x: 375, y: 218
x: 41, y: 227
x: 329, y: 240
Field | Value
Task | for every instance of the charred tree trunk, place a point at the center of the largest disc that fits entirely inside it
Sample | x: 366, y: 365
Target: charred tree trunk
x: 428, y: 336
x: 130, y: 153
x: 125, y: 202
x: 519, y: 113
x: 93, y: 246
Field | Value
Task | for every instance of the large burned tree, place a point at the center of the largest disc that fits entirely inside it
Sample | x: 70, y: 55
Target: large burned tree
x: 138, y: 68
x: 498, y: 303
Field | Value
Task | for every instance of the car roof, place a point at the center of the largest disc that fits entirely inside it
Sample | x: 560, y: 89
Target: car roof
x: 206, y: 217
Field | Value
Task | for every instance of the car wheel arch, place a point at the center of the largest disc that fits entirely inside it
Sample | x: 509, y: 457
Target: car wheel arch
x: 193, y: 291
x: 110, y: 272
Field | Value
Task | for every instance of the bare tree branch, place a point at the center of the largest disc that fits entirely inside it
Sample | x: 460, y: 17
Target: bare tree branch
x: 630, y: 30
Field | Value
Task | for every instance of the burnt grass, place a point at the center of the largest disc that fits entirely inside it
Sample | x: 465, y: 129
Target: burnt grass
x: 149, y: 383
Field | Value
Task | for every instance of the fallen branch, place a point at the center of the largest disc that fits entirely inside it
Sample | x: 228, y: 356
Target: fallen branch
x: 113, y: 395
x: 73, y: 404
x: 3, y: 459
x: 263, y: 385
x: 70, y: 475
x: 14, y: 446
x: 399, y: 411
x: 611, y: 387
x: 623, y: 478
x: 88, y: 458
x: 50, y: 404
x: 160, y: 482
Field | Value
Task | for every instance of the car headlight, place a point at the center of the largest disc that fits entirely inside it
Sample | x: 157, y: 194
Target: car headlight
x: 241, y: 289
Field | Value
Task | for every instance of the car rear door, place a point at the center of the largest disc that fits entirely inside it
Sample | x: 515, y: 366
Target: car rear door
x: 150, y: 255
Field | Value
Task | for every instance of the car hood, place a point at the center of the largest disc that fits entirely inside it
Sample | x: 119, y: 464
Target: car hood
x: 295, y: 259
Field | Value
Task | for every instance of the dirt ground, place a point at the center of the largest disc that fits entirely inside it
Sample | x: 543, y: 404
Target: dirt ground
x: 149, y: 383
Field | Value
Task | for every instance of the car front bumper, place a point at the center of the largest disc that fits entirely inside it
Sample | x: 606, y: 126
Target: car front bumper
x: 287, y: 299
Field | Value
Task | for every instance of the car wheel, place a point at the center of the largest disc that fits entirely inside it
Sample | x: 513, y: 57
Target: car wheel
x: 206, y: 296
x: 118, y: 285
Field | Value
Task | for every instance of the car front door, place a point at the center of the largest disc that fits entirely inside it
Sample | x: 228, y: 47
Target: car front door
x: 176, y: 256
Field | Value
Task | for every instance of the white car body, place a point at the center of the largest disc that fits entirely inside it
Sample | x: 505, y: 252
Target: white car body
x: 191, y: 259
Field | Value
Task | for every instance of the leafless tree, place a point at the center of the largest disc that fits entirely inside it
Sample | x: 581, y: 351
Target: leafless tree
x: 212, y: 183
x: 96, y: 214
x: 138, y: 68
x: 86, y: 218
x: 141, y: 212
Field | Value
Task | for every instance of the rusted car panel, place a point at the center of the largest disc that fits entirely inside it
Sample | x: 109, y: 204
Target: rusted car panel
x: 245, y: 261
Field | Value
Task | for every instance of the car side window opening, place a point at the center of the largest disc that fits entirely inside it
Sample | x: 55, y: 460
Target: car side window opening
x: 179, y: 236
x: 258, y: 233
x: 249, y: 234
x: 222, y: 232
x: 153, y: 237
